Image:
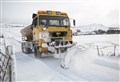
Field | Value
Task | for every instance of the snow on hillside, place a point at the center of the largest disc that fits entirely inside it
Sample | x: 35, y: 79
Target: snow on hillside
x: 92, y: 27
x: 4, y: 25
x: 114, y: 25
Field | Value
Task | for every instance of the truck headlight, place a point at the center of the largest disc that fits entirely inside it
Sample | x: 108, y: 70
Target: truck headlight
x: 45, y: 36
x: 24, y: 38
x: 44, y: 28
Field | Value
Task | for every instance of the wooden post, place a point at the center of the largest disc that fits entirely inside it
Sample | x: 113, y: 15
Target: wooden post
x: 12, y: 76
x: 10, y: 72
x: 114, y: 50
x: 9, y: 52
x: 98, y: 51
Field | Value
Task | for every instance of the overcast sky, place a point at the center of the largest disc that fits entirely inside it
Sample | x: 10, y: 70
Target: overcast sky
x: 85, y: 12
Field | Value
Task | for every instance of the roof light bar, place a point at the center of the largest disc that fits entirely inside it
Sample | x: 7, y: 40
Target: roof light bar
x: 49, y: 12
x: 58, y: 12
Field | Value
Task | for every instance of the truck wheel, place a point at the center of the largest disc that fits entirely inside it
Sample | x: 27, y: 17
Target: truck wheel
x: 37, y: 53
x: 25, y: 49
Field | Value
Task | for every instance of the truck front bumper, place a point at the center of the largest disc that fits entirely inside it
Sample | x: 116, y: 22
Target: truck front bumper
x: 58, y: 44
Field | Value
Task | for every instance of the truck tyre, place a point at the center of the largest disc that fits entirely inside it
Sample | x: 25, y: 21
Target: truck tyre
x: 37, y: 53
x: 25, y: 49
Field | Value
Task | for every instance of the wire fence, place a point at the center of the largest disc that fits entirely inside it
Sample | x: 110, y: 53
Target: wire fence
x: 102, y: 48
x: 108, y: 51
x: 4, y: 67
x: 7, y: 68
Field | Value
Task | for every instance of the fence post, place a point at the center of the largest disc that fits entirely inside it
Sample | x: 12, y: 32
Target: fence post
x: 114, y: 50
x: 98, y: 51
x: 7, y: 63
x: 12, y: 77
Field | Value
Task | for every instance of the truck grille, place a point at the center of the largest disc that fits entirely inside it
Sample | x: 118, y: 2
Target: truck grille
x: 56, y: 39
x: 58, y: 34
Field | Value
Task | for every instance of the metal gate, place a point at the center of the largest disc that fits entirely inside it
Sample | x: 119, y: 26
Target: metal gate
x: 4, y: 67
x: 7, y: 73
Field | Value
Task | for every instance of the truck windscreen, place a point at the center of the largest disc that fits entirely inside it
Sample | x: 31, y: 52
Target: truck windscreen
x: 57, y: 21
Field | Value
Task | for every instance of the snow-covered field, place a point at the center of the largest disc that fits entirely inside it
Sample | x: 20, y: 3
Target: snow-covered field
x: 84, y: 65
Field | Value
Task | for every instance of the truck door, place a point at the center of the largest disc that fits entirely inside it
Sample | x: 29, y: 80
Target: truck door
x: 35, y: 29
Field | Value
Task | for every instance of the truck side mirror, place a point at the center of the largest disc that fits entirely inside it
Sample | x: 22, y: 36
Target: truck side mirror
x: 74, y: 22
x: 35, y: 22
x: 34, y: 15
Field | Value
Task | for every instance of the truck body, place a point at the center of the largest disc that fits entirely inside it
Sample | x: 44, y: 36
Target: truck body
x: 49, y: 32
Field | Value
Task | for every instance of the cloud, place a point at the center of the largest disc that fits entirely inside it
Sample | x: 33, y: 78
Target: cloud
x: 113, y: 15
x: 84, y: 11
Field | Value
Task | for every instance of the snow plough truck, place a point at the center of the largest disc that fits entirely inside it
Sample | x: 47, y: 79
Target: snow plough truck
x: 49, y: 32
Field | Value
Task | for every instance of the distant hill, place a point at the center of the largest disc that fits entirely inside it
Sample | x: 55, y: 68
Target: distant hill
x: 92, y: 27
x: 4, y: 25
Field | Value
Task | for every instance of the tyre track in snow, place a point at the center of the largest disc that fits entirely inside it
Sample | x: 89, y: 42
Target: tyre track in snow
x: 52, y: 63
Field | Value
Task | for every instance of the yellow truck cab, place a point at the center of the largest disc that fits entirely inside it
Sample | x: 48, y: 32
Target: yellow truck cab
x: 50, y: 32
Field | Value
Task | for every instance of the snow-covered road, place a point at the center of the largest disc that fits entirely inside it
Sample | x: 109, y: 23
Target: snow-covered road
x: 85, y: 65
